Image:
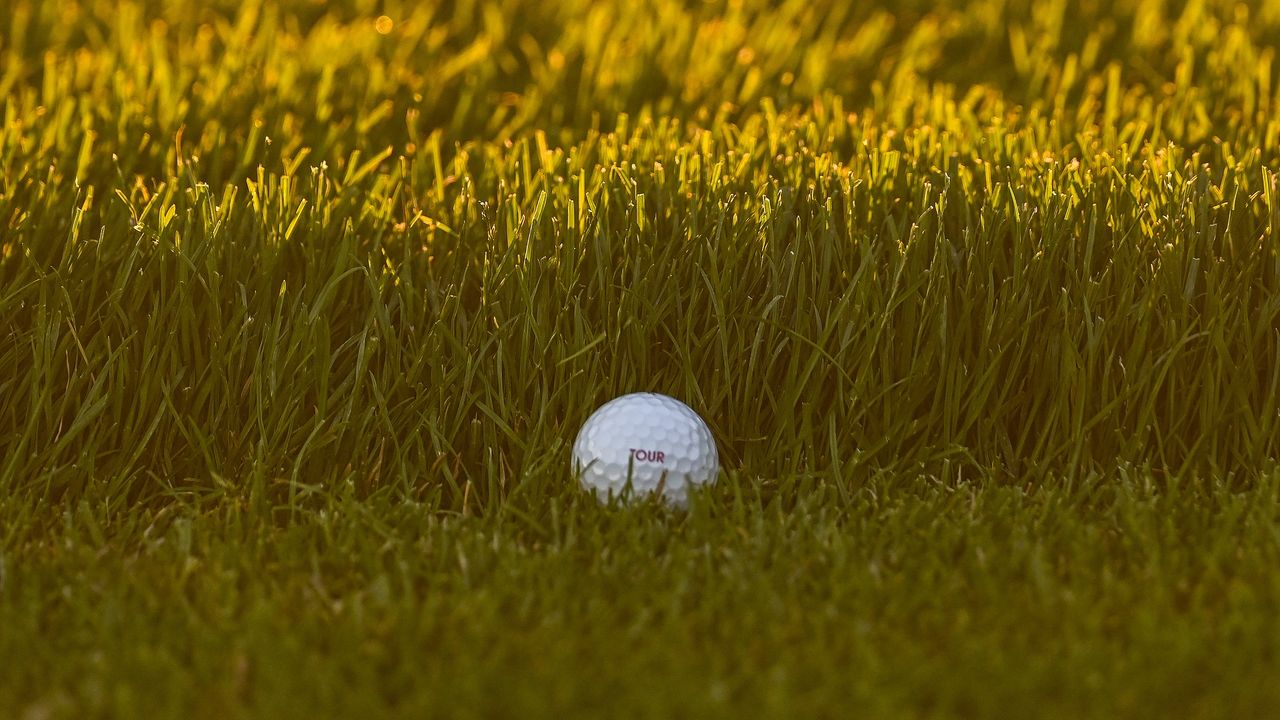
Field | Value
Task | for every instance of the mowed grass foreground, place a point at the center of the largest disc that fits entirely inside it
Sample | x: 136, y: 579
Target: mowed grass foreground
x: 302, y: 305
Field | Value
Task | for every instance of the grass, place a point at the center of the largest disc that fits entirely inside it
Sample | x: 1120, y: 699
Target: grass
x: 1099, y: 598
x: 303, y: 305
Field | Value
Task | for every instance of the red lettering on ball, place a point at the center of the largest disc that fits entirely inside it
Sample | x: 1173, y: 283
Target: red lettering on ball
x: 642, y: 455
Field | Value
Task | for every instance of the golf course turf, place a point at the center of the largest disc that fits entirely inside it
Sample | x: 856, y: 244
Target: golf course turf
x: 302, y: 305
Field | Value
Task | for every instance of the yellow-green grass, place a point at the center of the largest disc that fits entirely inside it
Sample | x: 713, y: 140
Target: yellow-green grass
x: 302, y: 305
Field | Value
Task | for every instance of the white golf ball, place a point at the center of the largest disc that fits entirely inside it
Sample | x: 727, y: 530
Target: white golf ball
x: 654, y: 442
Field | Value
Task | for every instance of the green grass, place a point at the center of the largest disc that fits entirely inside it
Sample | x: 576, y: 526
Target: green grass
x: 300, y: 314
x: 905, y: 598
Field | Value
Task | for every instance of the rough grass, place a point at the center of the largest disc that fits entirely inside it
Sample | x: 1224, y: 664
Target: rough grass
x: 303, y: 307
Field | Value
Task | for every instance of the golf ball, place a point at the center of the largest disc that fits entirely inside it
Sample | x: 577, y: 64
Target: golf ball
x: 654, y: 442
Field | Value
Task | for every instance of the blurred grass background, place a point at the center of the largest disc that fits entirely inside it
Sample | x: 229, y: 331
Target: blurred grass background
x: 338, y: 77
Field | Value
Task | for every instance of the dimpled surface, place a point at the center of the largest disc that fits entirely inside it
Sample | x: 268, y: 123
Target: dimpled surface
x: 654, y: 440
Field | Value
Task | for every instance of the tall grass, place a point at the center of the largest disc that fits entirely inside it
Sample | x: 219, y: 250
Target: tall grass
x: 247, y: 248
